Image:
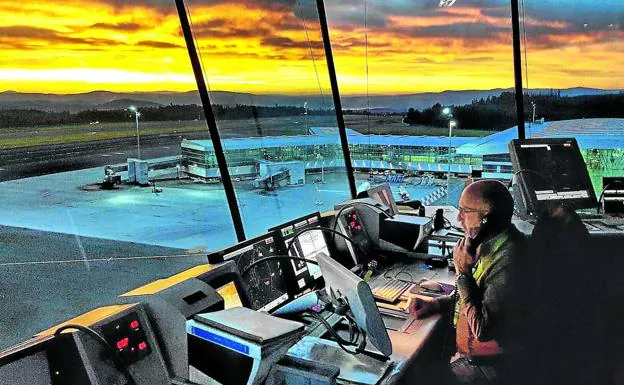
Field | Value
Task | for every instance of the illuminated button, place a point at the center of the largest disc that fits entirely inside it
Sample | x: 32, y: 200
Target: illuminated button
x: 123, y: 343
x: 359, y: 227
x: 142, y: 345
x: 134, y: 324
x: 352, y: 224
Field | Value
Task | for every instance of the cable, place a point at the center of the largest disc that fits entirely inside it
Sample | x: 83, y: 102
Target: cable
x: 109, y: 349
x: 411, y: 278
x: 353, y: 204
x: 387, y: 274
x: 305, y: 27
x: 362, y: 345
x: 451, y: 325
x: 290, y: 245
x: 254, y: 263
x: 319, y: 228
x: 528, y: 170
x: 197, y: 47
x: 547, y: 180
x: 602, y: 193
x: 339, y: 340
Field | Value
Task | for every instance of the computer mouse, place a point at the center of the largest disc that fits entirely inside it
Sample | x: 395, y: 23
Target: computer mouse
x: 431, y: 286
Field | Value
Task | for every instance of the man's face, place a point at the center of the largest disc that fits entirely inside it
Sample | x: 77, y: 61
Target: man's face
x: 471, y: 212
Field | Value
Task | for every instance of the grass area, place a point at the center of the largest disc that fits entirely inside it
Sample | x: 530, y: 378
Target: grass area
x: 393, y: 125
x: 295, y: 125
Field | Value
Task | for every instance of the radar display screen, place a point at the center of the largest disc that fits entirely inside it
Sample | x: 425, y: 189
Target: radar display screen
x: 265, y: 281
x: 307, y: 246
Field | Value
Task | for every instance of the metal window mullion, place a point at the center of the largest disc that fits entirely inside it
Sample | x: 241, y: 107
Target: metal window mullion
x: 211, y: 122
x: 517, y: 58
x: 336, y: 95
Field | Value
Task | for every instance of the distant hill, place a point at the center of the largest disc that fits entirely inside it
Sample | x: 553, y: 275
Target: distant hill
x: 106, y: 100
x: 120, y: 104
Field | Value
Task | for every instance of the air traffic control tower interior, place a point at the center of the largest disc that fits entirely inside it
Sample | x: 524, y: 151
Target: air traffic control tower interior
x: 334, y: 291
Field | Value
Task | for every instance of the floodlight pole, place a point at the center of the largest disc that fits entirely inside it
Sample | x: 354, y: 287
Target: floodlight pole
x: 448, y: 174
x: 136, y: 114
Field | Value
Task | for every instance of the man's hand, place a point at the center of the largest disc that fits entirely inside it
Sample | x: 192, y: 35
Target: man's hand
x: 463, y: 258
x: 422, y: 308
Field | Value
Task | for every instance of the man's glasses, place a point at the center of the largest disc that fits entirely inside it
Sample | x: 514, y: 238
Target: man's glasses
x: 466, y: 210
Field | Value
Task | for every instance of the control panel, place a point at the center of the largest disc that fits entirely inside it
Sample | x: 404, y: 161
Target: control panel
x: 129, y: 333
x: 127, y: 336
x: 351, y: 223
x: 354, y: 224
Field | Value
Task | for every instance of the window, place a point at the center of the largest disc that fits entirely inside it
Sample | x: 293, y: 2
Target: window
x: 574, y: 75
x: 83, y: 220
x: 409, y: 73
x: 265, y: 66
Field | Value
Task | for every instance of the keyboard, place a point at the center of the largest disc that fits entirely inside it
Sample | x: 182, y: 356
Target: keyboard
x: 389, y: 290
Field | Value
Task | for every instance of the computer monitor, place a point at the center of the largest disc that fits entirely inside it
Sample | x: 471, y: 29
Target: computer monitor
x: 341, y: 283
x: 265, y: 282
x: 383, y: 194
x: 549, y: 173
x: 307, y: 246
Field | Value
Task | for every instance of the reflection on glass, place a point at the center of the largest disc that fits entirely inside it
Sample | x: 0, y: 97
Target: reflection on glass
x: 574, y: 75
x: 265, y: 66
x: 431, y: 77
x: 95, y: 101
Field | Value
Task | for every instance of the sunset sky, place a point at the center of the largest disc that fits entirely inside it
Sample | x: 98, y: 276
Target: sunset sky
x: 266, y: 46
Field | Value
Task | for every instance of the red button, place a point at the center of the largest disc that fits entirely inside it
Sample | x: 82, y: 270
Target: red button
x: 359, y: 227
x: 142, y: 345
x: 134, y: 324
x: 352, y: 224
x: 122, y: 344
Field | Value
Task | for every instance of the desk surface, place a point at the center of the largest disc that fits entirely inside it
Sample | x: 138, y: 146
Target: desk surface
x: 416, y: 349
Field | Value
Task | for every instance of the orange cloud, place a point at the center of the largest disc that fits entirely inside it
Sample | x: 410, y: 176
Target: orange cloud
x: 247, y: 46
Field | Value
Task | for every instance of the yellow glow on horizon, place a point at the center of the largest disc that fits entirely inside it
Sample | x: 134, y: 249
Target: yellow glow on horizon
x: 59, y: 47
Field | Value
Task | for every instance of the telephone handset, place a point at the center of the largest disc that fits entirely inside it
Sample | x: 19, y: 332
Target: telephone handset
x: 484, y: 231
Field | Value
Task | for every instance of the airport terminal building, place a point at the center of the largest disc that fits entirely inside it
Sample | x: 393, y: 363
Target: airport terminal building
x: 320, y: 150
x: 600, y: 140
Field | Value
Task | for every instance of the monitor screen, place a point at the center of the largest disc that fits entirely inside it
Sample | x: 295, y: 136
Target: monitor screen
x: 551, y: 172
x: 383, y: 194
x: 307, y: 245
x: 265, y: 282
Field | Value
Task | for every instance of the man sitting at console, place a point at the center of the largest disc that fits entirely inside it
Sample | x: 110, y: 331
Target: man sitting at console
x: 482, y: 263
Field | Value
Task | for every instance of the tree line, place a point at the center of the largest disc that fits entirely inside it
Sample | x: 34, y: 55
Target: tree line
x: 499, y: 112
x: 36, y: 118
x: 491, y: 113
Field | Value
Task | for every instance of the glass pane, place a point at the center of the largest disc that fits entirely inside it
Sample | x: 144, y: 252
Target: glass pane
x: 432, y: 77
x: 80, y: 226
x: 574, y: 76
x: 265, y: 65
